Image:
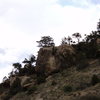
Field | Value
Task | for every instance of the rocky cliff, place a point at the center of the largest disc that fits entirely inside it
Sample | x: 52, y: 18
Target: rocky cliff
x: 53, y: 59
x: 57, y: 77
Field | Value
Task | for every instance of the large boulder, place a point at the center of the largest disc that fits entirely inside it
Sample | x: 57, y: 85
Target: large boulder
x: 52, y: 59
x: 25, y: 80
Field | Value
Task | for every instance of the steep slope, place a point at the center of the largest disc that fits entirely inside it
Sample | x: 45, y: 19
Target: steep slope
x: 69, y: 84
x: 64, y: 72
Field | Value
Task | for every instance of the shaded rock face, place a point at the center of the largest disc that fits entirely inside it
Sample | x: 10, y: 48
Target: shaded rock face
x: 25, y: 80
x: 15, y: 82
x: 20, y: 82
x: 53, y: 59
x: 98, y: 47
x: 98, y: 41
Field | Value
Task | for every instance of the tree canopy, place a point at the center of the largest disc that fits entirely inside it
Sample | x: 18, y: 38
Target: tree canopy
x: 46, y: 41
x: 77, y: 35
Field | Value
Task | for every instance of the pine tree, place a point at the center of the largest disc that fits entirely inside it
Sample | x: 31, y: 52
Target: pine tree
x: 46, y: 41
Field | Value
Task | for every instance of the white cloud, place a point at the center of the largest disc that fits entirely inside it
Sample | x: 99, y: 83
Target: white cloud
x: 23, y: 22
x: 4, y: 72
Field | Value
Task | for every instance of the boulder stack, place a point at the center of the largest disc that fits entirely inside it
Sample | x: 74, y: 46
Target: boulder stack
x: 53, y: 59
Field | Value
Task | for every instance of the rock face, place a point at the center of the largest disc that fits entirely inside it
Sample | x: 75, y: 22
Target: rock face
x: 15, y: 82
x: 98, y: 41
x: 25, y: 80
x: 55, y: 58
x: 98, y: 47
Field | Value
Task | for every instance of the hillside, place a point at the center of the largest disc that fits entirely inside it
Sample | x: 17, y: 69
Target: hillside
x: 69, y: 84
x: 65, y: 72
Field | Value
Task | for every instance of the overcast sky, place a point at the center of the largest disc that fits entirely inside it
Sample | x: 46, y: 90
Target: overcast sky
x: 23, y: 22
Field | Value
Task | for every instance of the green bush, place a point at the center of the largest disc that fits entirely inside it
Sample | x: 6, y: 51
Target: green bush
x: 40, y: 79
x: 67, y: 88
x: 82, y: 61
x: 95, y: 80
x: 82, y: 65
x: 32, y: 89
x: 53, y: 83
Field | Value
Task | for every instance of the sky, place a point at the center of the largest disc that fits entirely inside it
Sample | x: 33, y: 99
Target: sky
x: 23, y: 22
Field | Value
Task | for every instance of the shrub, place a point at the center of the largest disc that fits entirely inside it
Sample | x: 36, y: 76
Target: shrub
x: 40, y: 79
x: 67, y: 88
x: 53, y: 83
x: 54, y: 49
x: 82, y: 61
x: 32, y: 89
x: 95, y: 80
x: 82, y: 65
